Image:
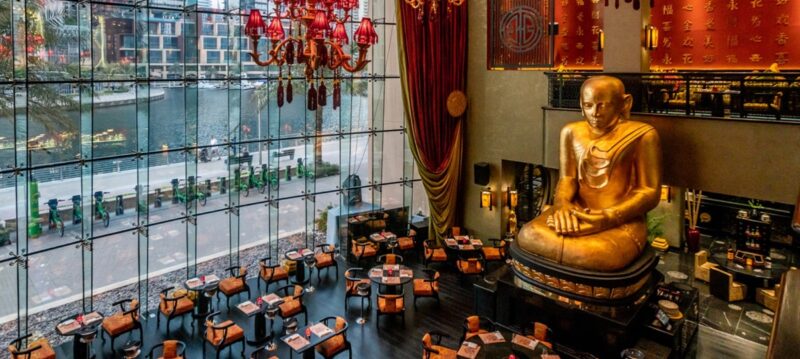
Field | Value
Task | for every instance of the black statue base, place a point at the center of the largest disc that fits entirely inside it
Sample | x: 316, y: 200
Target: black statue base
x: 602, y: 330
x: 599, y: 288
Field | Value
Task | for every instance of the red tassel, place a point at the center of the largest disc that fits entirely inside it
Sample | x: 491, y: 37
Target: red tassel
x: 323, y: 94
x: 289, y: 92
x: 337, y: 95
x: 311, y: 100
x: 280, y: 92
x: 322, y: 54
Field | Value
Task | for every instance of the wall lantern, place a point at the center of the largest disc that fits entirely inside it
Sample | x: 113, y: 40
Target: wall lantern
x: 601, y: 41
x: 650, y: 37
x: 512, y: 198
x: 486, y: 198
x: 666, y: 193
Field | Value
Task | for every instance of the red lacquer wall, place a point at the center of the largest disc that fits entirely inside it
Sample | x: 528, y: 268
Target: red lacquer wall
x: 726, y: 34
x: 578, y: 24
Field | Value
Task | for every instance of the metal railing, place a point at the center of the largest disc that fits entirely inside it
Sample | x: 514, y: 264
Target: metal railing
x: 734, y: 95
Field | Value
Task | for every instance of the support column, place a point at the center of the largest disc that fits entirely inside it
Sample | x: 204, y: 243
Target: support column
x: 624, y: 38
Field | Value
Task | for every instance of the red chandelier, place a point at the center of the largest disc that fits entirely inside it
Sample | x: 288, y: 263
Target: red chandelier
x: 316, y: 36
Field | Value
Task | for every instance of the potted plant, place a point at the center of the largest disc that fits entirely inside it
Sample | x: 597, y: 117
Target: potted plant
x: 654, y: 232
x: 693, y: 235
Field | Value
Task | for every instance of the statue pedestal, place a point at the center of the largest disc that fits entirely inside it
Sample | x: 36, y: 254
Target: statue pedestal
x: 600, y: 330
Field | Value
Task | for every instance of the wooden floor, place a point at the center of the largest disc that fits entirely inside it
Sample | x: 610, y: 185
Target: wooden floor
x: 388, y: 340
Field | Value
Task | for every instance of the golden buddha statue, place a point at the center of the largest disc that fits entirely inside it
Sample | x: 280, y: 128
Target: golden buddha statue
x: 610, y: 177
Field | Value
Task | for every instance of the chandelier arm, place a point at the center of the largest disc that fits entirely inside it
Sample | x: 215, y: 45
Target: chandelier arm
x: 344, y: 59
x: 274, y: 53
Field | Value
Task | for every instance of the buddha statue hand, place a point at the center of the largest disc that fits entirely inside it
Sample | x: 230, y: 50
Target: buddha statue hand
x: 580, y: 222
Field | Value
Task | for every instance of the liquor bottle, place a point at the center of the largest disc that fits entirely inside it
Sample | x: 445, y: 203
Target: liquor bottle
x: 730, y: 253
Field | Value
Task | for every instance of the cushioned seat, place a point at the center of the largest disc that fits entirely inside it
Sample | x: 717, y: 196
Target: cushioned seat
x: 271, y: 273
x: 289, y: 307
x: 182, y: 306
x: 722, y: 286
x: 235, y: 284
x: 323, y: 260
x: 391, y: 304
x: 222, y: 335
x: 336, y: 344
x: 45, y: 351
x: 492, y: 253
x: 433, y: 253
x: 702, y: 265
x: 427, y: 287
x: 470, y: 266
x: 231, y: 286
x: 423, y: 287
x: 215, y: 336
x: 118, y: 323
x: 433, y: 350
x: 174, y: 305
x: 365, y: 251
x: 172, y: 349
x: 405, y: 243
x: 292, y: 301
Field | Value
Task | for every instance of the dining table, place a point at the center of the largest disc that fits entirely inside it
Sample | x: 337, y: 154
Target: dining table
x: 83, y: 327
x: 501, y: 344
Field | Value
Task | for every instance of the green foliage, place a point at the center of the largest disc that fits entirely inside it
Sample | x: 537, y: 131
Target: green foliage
x: 326, y: 169
x: 654, y: 226
x: 322, y: 220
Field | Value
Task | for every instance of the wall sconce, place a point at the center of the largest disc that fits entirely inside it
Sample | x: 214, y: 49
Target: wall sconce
x: 512, y: 198
x: 666, y: 193
x: 486, y: 198
x: 650, y: 37
x: 601, y: 41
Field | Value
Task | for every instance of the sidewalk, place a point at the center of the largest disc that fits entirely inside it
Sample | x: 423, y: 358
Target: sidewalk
x: 123, y: 182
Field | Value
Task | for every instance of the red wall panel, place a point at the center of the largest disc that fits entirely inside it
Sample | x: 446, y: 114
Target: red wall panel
x: 578, y: 24
x: 726, y: 34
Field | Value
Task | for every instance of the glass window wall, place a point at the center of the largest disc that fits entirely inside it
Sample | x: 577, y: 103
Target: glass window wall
x: 141, y: 146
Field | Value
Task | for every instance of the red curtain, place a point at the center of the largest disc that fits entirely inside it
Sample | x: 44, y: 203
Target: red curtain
x: 436, y: 64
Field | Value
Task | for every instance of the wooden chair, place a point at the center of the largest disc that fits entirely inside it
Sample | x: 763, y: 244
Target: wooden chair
x: 722, y: 286
x: 351, y: 282
x: 470, y: 266
x: 457, y: 231
x: 390, y: 258
x: 542, y: 333
x: 769, y: 297
x: 496, y: 252
x: 37, y: 349
x: 407, y: 243
x: 269, y: 273
x: 432, y: 348
x: 433, y: 253
x: 292, y: 305
x: 773, y: 107
x: 124, y: 321
x: 170, y: 349
x: 427, y: 287
x: 391, y: 304
x: 172, y: 306
x: 326, y: 258
x: 362, y: 248
x: 235, y: 284
x: 702, y: 265
x: 222, y: 335
x: 338, y: 343
x: 474, y: 325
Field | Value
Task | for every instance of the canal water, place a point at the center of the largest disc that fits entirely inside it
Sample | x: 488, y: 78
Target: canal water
x: 167, y: 128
